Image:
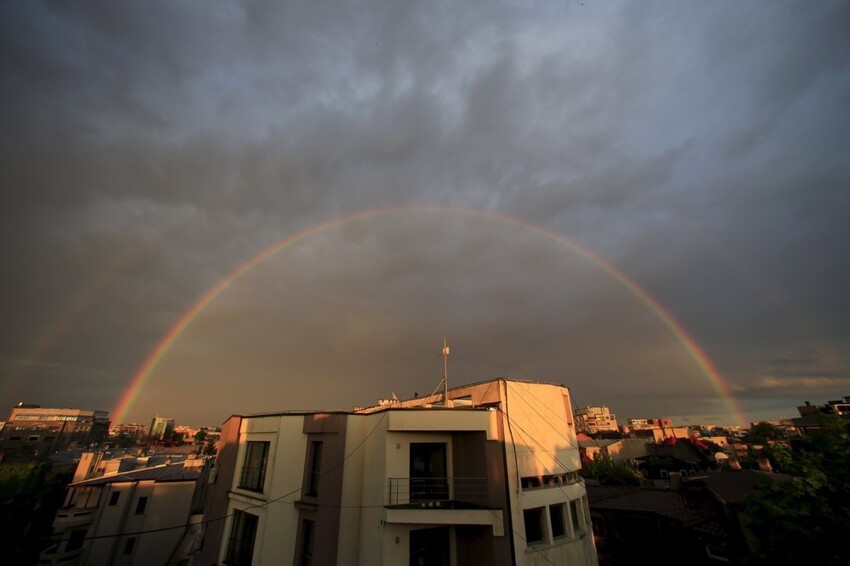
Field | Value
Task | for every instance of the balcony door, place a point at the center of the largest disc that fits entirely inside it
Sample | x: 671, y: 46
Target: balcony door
x: 428, y: 471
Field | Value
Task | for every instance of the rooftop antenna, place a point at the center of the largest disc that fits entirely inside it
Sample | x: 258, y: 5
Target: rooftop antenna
x: 446, y: 401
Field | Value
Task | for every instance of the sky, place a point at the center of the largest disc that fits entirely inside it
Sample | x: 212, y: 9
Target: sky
x: 216, y: 208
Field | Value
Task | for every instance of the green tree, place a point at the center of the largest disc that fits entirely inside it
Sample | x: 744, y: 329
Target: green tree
x: 610, y: 472
x: 806, y: 520
x: 762, y: 432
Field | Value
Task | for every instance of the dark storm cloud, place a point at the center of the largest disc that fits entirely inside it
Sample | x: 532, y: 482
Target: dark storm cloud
x: 149, y: 150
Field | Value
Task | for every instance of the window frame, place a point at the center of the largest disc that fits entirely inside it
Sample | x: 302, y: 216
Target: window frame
x: 540, y: 514
x: 244, y: 525
x: 253, y: 477
x: 314, y: 472
x: 556, y: 517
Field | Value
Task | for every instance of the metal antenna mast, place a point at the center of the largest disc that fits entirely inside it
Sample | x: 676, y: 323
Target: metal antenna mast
x: 446, y: 402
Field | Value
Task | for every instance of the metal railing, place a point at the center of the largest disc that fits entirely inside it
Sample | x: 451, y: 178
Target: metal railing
x: 422, y: 490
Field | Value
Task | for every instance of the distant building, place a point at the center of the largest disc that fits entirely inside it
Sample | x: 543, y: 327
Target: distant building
x: 134, y: 517
x: 133, y: 431
x: 492, y: 479
x: 33, y: 432
x: 591, y: 420
x: 161, y: 428
x: 810, y: 415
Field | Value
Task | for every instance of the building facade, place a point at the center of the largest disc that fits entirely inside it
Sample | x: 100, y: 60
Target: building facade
x: 161, y: 428
x: 36, y: 432
x: 134, y: 517
x: 490, y: 479
x: 591, y: 420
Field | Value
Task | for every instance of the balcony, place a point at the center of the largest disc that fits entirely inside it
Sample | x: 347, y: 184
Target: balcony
x: 51, y: 556
x: 72, y: 518
x: 441, y: 501
x: 438, y: 492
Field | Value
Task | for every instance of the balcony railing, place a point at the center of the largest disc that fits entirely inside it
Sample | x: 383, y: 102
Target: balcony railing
x: 424, y: 490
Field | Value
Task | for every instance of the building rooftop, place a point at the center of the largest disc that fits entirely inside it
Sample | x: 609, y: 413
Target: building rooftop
x: 162, y: 473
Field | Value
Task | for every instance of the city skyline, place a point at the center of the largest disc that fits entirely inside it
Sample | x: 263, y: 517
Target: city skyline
x: 257, y: 207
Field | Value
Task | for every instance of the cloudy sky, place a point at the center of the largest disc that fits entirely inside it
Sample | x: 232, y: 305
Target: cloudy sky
x: 148, y: 150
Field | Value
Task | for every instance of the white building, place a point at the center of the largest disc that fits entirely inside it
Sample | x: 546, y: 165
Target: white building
x: 492, y: 480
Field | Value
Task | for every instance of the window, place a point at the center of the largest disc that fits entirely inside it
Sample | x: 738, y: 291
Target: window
x: 240, y: 546
x: 141, y: 505
x: 315, y: 468
x: 533, y: 525
x: 254, y: 471
x: 556, y: 517
x: 75, y: 540
x: 129, y: 545
x: 113, y: 498
x: 574, y: 514
x: 308, y: 529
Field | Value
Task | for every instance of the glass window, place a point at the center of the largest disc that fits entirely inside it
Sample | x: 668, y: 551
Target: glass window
x: 534, y: 525
x: 307, y: 535
x: 315, y: 468
x: 129, y: 545
x: 113, y: 498
x: 556, y: 517
x: 574, y: 514
x: 141, y: 505
x: 254, y: 471
x: 240, y: 545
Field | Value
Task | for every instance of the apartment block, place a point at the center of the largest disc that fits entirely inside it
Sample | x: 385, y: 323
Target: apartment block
x: 487, y: 476
x: 591, y: 420
x: 32, y: 431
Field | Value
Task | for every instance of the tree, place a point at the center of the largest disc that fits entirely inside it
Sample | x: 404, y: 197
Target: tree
x: 609, y: 472
x: 806, y: 520
x: 762, y: 432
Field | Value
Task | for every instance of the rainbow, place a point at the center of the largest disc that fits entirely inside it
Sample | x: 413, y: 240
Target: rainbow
x: 677, y: 330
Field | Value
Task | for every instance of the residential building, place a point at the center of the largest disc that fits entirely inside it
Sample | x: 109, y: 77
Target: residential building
x: 133, y: 517
x: 131, y: 431
x: 618, y: 449
x: 656, y: 430
x: 33, y: 432
x: 811, y: 415
x: 591, y: 420
x: 488, y: 476
x: 161, y: 428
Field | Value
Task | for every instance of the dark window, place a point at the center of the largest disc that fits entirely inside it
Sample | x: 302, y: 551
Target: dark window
x: 113, y: 498
x: 240, y: 546
x: 308, y: 529
x: 428, y: 472
x: 75, y: 540
x: 533, y: 525
x: 129, y: 545
x: 574, y: 514
x: 431, y: 547
x: 141, y: 505
x: 556, y: 517
x: 254, y: 470
x: 315, y: 468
